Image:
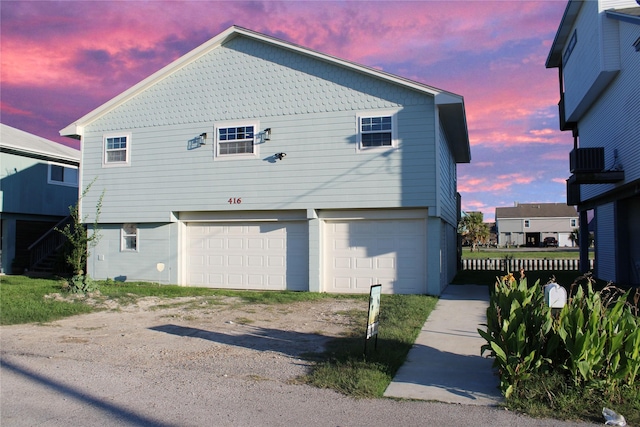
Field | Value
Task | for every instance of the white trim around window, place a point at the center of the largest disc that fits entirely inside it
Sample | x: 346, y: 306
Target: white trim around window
x: 573, y: 222
x: 129, y: 238
x: 377, y: 131
x: 116, y: 150
x: 61, y: 174
x: 527, y: 223
x: 236, y: 140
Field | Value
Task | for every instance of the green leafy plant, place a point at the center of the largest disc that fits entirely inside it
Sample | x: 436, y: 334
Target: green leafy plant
x: 594, y: 341
x: 79, y: 243
x: 517, y: 324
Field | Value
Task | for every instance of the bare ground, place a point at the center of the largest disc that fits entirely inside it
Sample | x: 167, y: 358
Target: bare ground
x: 227, y: 335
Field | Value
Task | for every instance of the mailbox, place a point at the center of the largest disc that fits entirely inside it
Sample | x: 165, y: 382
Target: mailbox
x: 555, y: 295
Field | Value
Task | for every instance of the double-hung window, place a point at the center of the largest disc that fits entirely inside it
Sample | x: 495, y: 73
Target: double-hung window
x: 236, y: 140
x: 63, y: 175
x: 116, y: 150
x: 129, y: 237
x: 377, y: 131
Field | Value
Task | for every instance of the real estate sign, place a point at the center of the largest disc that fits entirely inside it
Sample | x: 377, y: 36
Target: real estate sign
x: 374, y: 314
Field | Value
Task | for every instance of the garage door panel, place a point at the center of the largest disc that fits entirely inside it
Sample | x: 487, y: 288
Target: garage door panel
x: 269, y: 255
x: 362, y: 253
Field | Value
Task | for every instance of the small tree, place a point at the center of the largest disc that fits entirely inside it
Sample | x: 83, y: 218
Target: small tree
x: 574, y: 236
x: 79, y: 244
x: 473, y: 229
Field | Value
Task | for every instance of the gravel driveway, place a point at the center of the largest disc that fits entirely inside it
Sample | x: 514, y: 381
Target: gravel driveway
x: 194, y: 362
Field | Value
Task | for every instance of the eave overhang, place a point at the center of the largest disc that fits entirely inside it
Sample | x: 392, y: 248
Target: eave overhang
x: 554, y: 60
x: 454, y: 122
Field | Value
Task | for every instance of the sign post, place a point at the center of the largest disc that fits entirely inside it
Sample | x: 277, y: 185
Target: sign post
x: 374, y: 315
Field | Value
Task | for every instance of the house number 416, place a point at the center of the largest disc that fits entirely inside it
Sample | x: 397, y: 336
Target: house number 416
x: 235, y: 201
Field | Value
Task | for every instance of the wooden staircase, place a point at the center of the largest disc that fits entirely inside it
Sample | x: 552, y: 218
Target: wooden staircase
x: 43, y: 253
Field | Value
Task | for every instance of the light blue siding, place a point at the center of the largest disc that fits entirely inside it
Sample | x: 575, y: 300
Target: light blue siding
x: 157, y: 243
x: 24, y: 188
x: 604, y: 126
x: 311, y: 106
x: 605, y: 236
x: 312, y: 119
x: 447, y: 181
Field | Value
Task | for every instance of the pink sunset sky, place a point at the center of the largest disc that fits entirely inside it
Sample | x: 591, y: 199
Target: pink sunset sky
x: 62, y: 59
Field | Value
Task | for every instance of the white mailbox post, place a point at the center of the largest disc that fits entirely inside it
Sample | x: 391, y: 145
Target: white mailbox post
x: 555, y: 295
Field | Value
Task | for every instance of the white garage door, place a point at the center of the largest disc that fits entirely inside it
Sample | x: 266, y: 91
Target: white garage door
x: 252, y: 255
x: 361, y: 253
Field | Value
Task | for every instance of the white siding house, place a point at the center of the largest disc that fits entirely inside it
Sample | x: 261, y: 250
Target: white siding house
x: 597, y: 53
x: 253, y: 163
x: 528, y: 224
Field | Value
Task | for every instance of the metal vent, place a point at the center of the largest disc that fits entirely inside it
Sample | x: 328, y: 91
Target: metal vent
x: 585, y: 160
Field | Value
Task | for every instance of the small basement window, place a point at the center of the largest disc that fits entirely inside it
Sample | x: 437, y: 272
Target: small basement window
x: 129, y: 237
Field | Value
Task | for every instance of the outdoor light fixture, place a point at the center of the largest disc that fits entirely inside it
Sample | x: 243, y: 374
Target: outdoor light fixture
x: 267, y: 134
x: 197, y: 141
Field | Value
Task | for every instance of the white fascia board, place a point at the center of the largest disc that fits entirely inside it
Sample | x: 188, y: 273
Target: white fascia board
x: 554, y: 59
x: 77, y: 127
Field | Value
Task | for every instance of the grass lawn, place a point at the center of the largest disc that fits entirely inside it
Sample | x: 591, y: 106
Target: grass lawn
x: 524, y: 253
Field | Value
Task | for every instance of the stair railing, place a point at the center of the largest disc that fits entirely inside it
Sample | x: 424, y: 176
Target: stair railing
x: 47, y: 244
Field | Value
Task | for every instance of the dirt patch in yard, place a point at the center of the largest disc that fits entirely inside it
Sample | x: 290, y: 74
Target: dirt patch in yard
x: 220, y: 334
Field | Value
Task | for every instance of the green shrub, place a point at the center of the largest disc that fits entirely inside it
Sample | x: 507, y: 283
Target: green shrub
x: 594, y: 341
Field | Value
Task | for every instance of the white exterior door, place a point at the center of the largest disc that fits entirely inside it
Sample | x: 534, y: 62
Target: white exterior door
x: 361, y: 253
x: 251, y: 255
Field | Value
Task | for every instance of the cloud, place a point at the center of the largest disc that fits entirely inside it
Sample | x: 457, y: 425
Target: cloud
x: 60, y: 62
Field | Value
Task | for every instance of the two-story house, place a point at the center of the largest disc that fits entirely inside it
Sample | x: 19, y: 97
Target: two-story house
x: 597, y: 53
x: 528, y: 224
x: 38, y: 183
x: 254, y: 163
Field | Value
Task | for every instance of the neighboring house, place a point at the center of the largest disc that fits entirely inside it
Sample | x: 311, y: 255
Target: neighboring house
x: 597, y: 53
x: 254, y: 163
x: 527, y: 224
x: 38, y: 183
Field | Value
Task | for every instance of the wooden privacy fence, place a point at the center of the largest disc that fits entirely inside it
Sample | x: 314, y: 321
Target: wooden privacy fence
x: 514, y: 265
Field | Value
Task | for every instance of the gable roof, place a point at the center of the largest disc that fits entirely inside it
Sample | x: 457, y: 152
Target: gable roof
x: 451, y: 106
x: 537, y: 210
x: 30, y: 145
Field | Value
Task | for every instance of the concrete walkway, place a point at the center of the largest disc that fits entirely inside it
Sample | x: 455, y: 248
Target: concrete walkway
x: 445, y: 363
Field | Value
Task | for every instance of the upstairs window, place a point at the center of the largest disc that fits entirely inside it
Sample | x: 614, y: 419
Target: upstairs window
x: 116, y: 150
x: 63, y: 175
x: 377, y: 132
x: 527, y: 223
x: 573, y: 222
x: 129, y: 237
x: 238, y: 140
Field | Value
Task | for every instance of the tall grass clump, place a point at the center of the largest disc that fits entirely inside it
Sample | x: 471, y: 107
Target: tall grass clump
x: 590, y: 347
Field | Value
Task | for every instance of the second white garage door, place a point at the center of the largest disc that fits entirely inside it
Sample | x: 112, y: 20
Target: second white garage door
x: 252, y: 255
x: 361, y: 253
